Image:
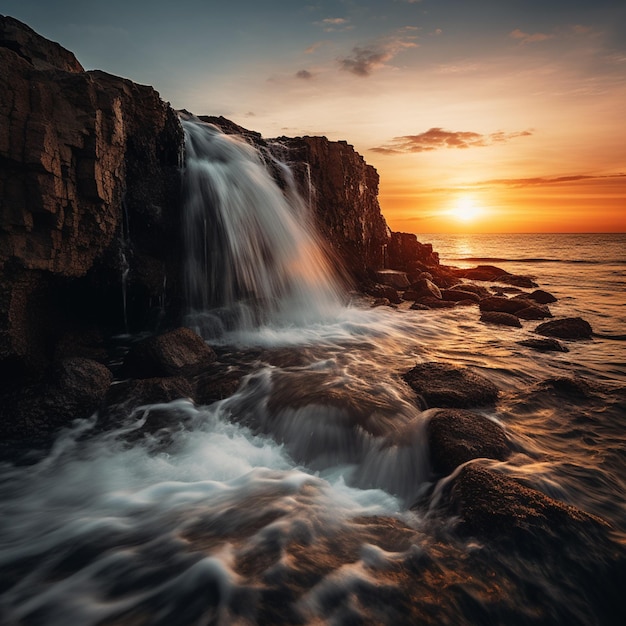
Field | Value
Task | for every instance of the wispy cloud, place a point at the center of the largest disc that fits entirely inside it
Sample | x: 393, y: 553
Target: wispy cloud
x: 526, y: 38
x: 437, y: 138
x: 364, y: 60
x: 546, y: 180
x: 330, y: 24
x: 304, y: 74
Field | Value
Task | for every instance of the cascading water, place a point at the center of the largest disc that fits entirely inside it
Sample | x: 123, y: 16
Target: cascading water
x: 252, y: 256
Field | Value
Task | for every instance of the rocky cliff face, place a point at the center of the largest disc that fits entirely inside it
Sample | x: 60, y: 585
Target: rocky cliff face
x: 84, y: 157
x: 343, y: 191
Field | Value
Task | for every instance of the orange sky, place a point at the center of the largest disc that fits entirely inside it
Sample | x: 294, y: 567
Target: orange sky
x: 513, y: 108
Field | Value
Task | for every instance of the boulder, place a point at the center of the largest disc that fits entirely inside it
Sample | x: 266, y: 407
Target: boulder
x: 534, y: 312
x: 456, y: 436
x: 480, y: 291
x: 566, y: 328
x: 502, y: 304
x: 424, y: 287
x: 434, y: 303
x: 542, y: 297
x: 384, y: 292
x: 74, y: 390
x: 544, y: 345
x: 517, y: 281
x: 179, y: 352
x: 501, y: 319
x: 393, y: 278
x: 458, y: 295
x: 448, y: 386
x: 480, y: 272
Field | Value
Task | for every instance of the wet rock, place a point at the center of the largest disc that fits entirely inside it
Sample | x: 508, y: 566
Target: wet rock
x: 456, y: 436
x: 534, y: 312
x: 517, y: 281
x: 405, y: 252
x: 418, y: 306
x: 542, y: 297
x: 566, y: 328
x: 179, y: 352
x: 434, y: 303
x: 75, y: 390
x: 544, y: 345
x: 501, y: 319
x: 424, y: 288
x: 480, y: 272
x: 500, y: 509
x: 124, y: 397
x: 381, y: 302
x: 447, y: 386
x: 457, y: 295
x: 384, y: 291
x: 502, y: 304
x: 572, y: 386
x: 393, y: 278
x: 217, y: 384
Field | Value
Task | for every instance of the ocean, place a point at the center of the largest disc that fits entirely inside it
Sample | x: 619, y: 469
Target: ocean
x: 308, y: 497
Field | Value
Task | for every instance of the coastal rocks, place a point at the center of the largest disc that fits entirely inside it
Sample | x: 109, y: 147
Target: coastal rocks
x: 75, y: 148
x: 456, y: 436
x: 75, y: 390
x: 405, y: 252
x: 459, y: 295
x: 501, y: 319
x: 544, y: 345
x: 179, y: 352
x: 480, y: 272
x: 393, y: 278
x: 566, y: 328
x: 541, y: 296
x: 534, y: 312
x: 384, y: 292
x: 502, y: 304
x: 447, y: 386
x: 422, y: 288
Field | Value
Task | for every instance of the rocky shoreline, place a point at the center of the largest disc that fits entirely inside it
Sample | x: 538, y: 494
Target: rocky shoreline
x: 65, y: 241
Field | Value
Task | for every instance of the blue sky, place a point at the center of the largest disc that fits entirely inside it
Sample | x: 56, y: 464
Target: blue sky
x: 541, y: 85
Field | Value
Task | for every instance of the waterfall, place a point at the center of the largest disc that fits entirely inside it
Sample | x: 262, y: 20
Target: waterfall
x: 252, y: 257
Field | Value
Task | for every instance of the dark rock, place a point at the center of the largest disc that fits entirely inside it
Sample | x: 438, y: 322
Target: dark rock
x: 502, y: 319
x: 500, y: 291
x: 538, y: 312
x: 434, y: 303
x: 456, y: 436
x: 518, y: 281
x: 124, y: 397
x: 444, y: 385
x: 499, y: 509
x: 73, y: 145
x: 179, y: 352
x: 418, y: 306
x: 566, y: 328
x: 393, y: 278
x: 425, y: 287
x: 217, y: 384
x: 502, y: 304
x: 544, y: 345
x: 542, y: 297
x: 480, y: 272
x: 572, y: 386
x: 405, y: 252
x: 457, y: 295
x: 480, y: 291
x: 384, y: 291
x: 74, y: 390
x: 381, y: 302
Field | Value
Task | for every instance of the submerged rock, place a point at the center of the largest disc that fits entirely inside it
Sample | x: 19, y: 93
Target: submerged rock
x: 544, y: 345
x: 179, y: 352
x: 502, y: 304
x: 456, y: 436
x: 534, y: 312
x: 458, y: 295
x: 423, y: 288
x: 502, y: 319
x: 542, y: 297
x: 566, y: 328
x: 447, y: 386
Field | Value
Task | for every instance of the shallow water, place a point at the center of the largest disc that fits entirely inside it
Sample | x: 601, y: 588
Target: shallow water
x: 289, y: 502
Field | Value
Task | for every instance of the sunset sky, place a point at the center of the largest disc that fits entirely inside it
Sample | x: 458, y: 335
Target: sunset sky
x: 480, y: 116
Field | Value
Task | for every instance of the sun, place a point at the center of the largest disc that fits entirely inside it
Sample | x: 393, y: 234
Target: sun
x: 465, y: 209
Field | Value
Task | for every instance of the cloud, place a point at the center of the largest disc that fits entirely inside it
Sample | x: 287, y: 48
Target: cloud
x: 547, y: 180
x: 313, y: 47
x: 437, y: 138
x: 304, y: 74
x: 364, y: 60
x: 525, y: 38
x: 330, y: 24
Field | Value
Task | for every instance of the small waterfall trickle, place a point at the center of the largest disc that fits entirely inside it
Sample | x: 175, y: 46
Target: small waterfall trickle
x: 252, y: 258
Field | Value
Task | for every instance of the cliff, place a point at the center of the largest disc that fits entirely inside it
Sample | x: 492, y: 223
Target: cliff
x: 85, y: 157
x: 90, y: 201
